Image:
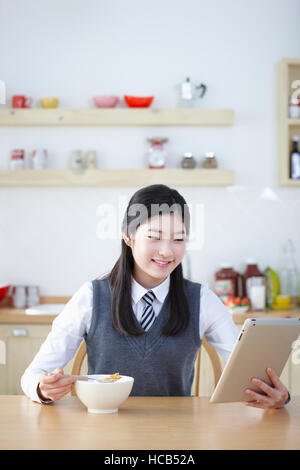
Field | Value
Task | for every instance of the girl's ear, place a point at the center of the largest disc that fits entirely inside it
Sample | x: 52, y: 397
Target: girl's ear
x: 127, y: 239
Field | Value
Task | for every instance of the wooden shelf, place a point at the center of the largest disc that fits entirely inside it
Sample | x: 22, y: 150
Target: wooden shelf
x: 293, y: 122
x: 289, y: 71
x: 104, y: 177
x: 116, y: 117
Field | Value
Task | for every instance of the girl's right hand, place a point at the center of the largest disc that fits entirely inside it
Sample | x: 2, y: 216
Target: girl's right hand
x: 54, y: 385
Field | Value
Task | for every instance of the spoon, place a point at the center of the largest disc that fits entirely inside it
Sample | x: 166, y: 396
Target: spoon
x: 110, y: 379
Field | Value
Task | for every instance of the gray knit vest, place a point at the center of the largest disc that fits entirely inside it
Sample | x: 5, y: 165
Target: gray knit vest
x: 161, y: 365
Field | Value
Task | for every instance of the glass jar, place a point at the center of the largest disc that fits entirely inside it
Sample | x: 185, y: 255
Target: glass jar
x: 17, y: 160
x: 294, y: 108
x: 188, y: 161
x: 210, y: 161
x: 156, y: 152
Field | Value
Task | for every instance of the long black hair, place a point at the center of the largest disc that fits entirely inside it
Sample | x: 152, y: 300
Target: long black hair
x: 154, y: 199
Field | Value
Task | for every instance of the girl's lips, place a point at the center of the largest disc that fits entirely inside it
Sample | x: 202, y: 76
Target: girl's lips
x: 162, y: 265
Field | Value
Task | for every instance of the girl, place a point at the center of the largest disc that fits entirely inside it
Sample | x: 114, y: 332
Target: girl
x: 143, y: 319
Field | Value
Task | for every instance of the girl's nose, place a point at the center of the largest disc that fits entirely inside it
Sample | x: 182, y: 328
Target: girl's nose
x: 165, y: 250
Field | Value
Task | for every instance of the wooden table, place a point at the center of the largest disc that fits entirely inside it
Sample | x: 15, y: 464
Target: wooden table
x: 160, y: 423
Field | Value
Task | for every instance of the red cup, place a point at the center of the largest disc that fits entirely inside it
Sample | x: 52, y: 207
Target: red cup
x: 21, y: 101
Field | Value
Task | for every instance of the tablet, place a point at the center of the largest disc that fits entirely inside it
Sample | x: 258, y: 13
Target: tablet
x: 262, y: 343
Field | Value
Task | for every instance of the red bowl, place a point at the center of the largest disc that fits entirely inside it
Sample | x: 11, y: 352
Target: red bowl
x: 4, y: 288
x: 138, y: 101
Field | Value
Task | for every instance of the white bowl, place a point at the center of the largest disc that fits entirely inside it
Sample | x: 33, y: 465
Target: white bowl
x: 240, y: 310
x: 103, y: 397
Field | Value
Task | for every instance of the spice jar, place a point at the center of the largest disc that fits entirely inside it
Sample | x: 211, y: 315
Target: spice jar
x: 188, y: 161
x: 210, y: 161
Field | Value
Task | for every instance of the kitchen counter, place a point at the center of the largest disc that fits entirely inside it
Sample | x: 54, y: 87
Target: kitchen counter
x: 8, y: 314
x: 147, y: 423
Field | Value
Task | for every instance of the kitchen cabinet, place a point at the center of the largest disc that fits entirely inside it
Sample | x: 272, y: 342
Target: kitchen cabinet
x: 288, y: 83
x: 21, y: 342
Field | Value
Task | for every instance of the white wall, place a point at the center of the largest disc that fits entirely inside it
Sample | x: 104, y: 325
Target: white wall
x: 76, y: 49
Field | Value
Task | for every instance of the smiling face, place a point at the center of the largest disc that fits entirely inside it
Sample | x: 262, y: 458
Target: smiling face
x: 158, y: 247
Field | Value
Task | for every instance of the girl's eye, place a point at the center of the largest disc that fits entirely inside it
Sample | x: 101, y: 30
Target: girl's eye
x: 176, y: 240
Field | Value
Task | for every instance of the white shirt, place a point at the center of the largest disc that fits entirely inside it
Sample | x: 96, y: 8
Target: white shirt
x: 70, y: 326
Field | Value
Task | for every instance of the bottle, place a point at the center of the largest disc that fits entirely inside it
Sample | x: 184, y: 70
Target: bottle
x: 227, y: 283
x: 289, y: 274
x: 254, y: 286
x: 295, y: 159
x: 272, y: 286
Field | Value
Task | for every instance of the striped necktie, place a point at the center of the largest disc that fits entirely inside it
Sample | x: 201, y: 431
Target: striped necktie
x: 148, y: 315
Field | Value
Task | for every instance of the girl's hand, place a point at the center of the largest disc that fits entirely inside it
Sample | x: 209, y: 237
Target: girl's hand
x: 54, y: 385
x: 275, y: 397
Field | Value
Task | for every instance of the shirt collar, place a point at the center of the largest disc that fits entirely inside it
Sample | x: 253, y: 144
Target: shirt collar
x: 160, y: 291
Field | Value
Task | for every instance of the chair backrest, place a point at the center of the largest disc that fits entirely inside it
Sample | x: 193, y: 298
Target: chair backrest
x: 214, y: 358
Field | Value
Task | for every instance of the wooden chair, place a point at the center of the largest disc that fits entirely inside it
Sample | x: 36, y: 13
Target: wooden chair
x: 214, y: 358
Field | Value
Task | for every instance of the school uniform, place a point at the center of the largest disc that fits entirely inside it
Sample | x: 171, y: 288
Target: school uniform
x: 161, y: 365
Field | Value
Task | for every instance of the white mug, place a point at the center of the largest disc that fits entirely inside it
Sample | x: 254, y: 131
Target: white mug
x: 33, y: 296
x: 19, y: 296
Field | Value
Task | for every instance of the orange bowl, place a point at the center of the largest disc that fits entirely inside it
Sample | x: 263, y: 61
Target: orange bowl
x: 138, y: 101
